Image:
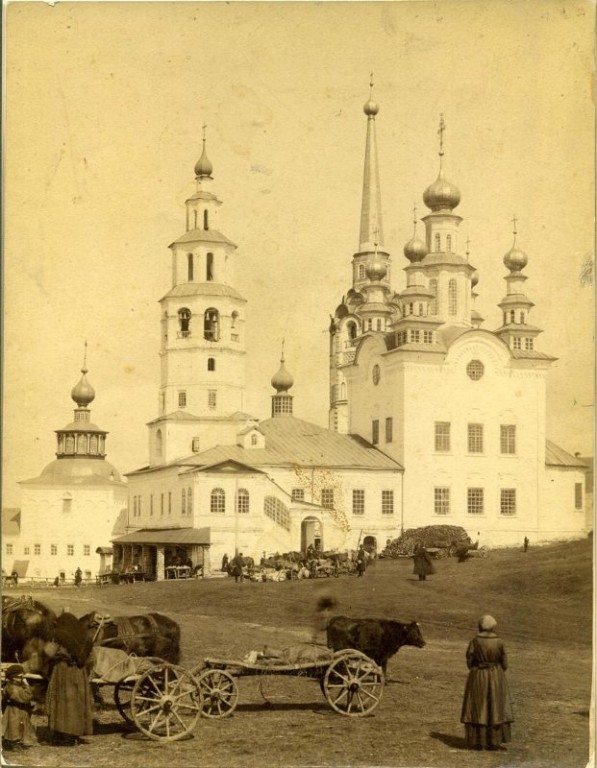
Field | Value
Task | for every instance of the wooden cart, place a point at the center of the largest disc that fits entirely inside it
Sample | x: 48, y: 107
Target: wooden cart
x: 166, y: 701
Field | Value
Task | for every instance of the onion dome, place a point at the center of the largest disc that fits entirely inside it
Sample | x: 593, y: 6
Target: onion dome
x: 83, y: 393
x: 282, y: 380
x: 376, y: 270
x: 203, y: 166
x: 442, y: 194
x: 515, y: 259
x: 416, y: 249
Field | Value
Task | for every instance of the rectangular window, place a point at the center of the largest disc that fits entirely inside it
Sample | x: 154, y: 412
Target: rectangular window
x: 182, y: 399
x: 508, y: 438
x: 387, y: 502
x: 70, y: 549
x: 577, y: 495
x: 327, y: 498
x: 26, y: 550
x: 375, y: 431
x: 528, y: 343
x: 298, y: 494
x: 86, y: 550
x: 37, y: 549
x: 517, y: 342
x: 358, y: 502
x: 428, y: 337
x: 161, y: 503
x: 212, y: 397
x: 508, y: 501
x: 9, y: 549
x: 441, y: 501
x: 415, y: 336
x: 474, y: 501
x: 53, y: 549
x: 169, y: 502
x: 442, y: 435
x: 475, y: 438
x: 389, y: 429
x: 151, y: 504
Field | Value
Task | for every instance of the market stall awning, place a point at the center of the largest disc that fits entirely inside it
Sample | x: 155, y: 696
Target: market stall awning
x: 166, y: 536
x: 104, y: 551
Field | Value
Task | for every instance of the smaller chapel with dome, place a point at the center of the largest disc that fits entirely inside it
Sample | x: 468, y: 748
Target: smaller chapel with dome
x: 71, y: 512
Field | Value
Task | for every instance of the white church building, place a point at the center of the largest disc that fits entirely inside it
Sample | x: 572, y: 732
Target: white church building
x: 461, y: 408
x: 71, y: 512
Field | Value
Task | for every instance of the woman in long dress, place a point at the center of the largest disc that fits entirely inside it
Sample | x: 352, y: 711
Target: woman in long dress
x: 68, y: 698
x: 487, y: 708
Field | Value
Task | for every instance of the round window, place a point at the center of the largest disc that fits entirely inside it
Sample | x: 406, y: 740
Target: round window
x: 376, y: 374
x: 475, y: 370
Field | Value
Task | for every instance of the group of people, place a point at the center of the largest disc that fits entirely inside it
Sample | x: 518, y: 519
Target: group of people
x: 68, y: 696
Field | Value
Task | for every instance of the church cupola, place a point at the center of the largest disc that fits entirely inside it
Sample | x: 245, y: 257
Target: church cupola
x: 415, y: 249
x: 516, y: 306
x: 442, y: 195
x: 81, y: 438
x: 282, y: 381
x: 203, y: 166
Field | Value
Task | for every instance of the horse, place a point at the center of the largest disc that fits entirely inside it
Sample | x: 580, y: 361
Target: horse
x: 150, y: 634
x: 24, y: 618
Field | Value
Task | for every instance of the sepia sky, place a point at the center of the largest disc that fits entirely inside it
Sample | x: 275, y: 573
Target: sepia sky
x: 104, y: 107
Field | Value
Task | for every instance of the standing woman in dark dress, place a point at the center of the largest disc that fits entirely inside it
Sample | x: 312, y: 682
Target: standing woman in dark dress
x: 487, y: 708
x: 68, y: 698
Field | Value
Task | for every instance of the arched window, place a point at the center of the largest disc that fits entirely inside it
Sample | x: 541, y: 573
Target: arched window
x: 189, y: 267
x: 361, y: 271
x: 184, y: 322
x: 420, y: 310
x: 211, y: 363
x: 378, y: 324
x: 242, y: 501
x: 352, y: 330
x: 438, y: 242
x: 369, y: 324
x: 158, y: 442
x: 93, y: 444
x: 218, y: 501
x: 433, y: 289
x: 67, y: 503
x: 195, y: 443
x: 452, y: 297
x: 233, y: 319
x: 205, y: 219
x: 522, y: 317
x: 512, y: 316
x: 209, y: 267
x: 211, y: 325
x: 183, y: 502
x: 253, y: 439
x: 190, y: 501
x: 449, y: 243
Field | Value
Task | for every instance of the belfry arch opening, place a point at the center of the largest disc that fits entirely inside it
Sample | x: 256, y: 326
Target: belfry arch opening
x: 211, y: 324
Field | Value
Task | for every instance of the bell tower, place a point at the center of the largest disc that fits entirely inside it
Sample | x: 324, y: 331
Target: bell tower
x: 202, y: 350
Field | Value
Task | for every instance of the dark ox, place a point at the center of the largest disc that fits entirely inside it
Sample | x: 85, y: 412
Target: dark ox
x: 151, y: 634
x: 24, y: 618
x: 380, y: 639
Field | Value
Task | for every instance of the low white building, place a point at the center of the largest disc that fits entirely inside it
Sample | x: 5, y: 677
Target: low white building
x: 70, y: 513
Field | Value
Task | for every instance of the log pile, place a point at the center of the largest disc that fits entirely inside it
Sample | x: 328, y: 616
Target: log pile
x: 443, y: 537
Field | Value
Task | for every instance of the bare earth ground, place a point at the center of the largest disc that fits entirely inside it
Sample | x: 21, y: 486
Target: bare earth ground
x: 541, y: 599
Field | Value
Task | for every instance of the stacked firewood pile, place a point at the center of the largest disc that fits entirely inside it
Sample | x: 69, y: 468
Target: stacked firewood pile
x: 447, y: 539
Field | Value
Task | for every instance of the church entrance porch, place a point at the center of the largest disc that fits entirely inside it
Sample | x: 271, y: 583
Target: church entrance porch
x: 311, y: 534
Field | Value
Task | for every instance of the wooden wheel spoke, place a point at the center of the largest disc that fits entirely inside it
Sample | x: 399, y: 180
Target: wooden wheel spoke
x: 150, y: 679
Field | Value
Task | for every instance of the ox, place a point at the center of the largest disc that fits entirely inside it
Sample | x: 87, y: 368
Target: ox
x: 380, y: 639
x: 24, y: 618
x: 151, y: 634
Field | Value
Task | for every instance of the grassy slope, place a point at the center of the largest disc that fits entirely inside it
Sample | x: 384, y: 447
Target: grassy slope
x: 541, y: 599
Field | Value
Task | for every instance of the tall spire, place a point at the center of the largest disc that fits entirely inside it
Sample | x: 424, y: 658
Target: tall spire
x: 371, y: 221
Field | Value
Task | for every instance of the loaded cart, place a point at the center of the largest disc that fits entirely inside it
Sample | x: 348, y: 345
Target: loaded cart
x: 166, y: 701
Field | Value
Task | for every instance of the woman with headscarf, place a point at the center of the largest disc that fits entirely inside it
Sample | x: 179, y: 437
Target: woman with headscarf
x: 487, y: 708
x: 68, y: 698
